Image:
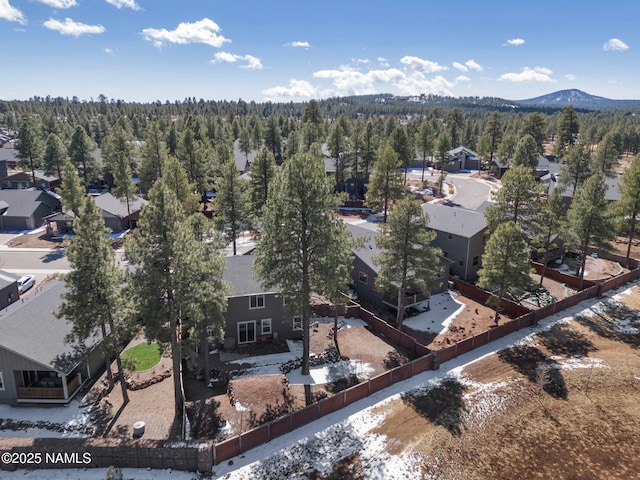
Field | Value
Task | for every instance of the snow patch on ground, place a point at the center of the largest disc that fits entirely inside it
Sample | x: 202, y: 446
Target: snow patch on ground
x: 574, y: 363
x: 443, y: 309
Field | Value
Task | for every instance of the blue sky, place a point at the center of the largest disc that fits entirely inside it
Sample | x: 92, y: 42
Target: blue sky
x: 288, y: 50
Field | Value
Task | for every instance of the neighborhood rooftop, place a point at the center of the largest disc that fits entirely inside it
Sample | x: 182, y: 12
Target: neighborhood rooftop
x: 454, y: 220
x: 30, y: 329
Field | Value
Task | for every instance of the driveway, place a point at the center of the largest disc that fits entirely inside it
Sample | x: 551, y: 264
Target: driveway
x: 471, y: 193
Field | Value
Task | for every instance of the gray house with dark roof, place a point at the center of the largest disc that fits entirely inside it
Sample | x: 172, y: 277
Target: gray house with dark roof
x: 255, y: 313
x: 114, y: 212
x: 37, y: 363
x: 26, y: 209
x: 365, y: 273
x: 21, y: 179
x: 461, y: 235
x: 8, y: 289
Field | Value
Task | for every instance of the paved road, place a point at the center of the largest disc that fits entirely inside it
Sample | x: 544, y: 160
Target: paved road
x: 471, y: 193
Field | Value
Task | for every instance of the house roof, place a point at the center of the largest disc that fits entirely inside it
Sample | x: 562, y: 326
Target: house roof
x: 7, y: 278
x: 239, y: 273
x: 38, y: 173
x: 369, y: 250
x: 113, y: 205
x: 612, y: 193
x: 454, y: 220
x: 30, y: 329
x: 24, y: 202
x: 463, y: 150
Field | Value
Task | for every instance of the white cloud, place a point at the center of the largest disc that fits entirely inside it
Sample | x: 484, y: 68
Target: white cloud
x: 460, y: 66
x: 515, y: 42
x: 59, y: 3
x: 537, y: 74
x: 473, y: 65
x: 383, y: 62
x: 569, y: 76
x: 69, y: 27
x: 108, y: 51
x: 348, y: 81
x: 296, y: 89
x: 124, y: 4
x: 304, y: 45
x: 203, y: 31
x: 615, y: 45
x: 10, y: 13
x: 253, y: 63
x: 420, y: 65
x: 357, y: 61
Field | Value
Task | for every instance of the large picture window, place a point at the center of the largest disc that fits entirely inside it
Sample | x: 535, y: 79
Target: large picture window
x: 246, y: 332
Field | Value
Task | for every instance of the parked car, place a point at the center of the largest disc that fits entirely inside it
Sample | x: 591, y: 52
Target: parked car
x: 25, y: 283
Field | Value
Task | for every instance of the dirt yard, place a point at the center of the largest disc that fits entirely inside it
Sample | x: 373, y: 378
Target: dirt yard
x: 565, y: 405
x: 259, y: 399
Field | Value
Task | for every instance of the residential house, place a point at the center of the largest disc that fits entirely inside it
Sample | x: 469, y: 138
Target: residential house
x: 22, y: 179
x: 8, y: 289
x: 461, y: 235
x: 611, y: 195
x: 365, y: 272
x: 254, y: 313
x: 26, y: 209
x: 461, y: 158
x: 114, y: 212
x: 38, y: 364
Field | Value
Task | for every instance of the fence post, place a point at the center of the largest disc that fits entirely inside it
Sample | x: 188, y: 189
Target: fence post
x: 435, y: 364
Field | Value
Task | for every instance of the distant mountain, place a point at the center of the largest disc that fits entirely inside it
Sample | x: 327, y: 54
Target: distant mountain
x: 578, y: 99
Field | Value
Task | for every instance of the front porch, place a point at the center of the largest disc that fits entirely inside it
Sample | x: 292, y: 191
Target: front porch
x: 43, y: 387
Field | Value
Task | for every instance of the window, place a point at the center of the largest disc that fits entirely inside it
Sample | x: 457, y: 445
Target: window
x: 1, y: 382
x: 461, y: 262
x: 363, y: 277
x: 297, y: 322
x: 449, y: 236
x: 246, y: 332
x: 476, y: 260
x: 265, y: 326
x: 445, y: 254
x: 256, y: 301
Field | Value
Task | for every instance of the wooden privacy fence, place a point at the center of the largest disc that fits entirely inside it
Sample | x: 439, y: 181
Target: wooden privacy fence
x: 202, y: 456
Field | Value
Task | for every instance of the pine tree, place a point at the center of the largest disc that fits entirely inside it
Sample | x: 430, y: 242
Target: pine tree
x: 71, y: 190
x: 425, y: 144
x: 232, y: 202
x: 263, y: 170
x: 407, y: 258
x: 518, y: 201
x: 589, y: 220
x: 93, y: 298
x: 55, y: 154
x: 505, y: 264
x: 385, y: 185
x: 302, y: 243
x: 29, y: 147
x: 154, y: 153
x: 80, y: 153
x: 526, y: 153
x: 627, y: 208
x: 175, y: 280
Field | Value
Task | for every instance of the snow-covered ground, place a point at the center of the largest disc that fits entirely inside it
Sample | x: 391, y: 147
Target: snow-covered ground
x: 443, y: 308
x: 320, y: 444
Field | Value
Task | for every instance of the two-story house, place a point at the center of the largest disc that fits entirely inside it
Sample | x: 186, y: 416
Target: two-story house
x: 461, y: 235
x: 255, y: 313
x: 365, y: 273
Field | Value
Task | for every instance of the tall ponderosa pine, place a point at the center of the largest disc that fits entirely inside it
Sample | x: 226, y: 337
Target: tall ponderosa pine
x: 232, y: 201
x: 575, y: 169
x: 302, y: 243
x: 589, y: 220
x: 400, y: 144
x: 505, y: 265
x: 55, y: 154
x: 93, y: 299
x: 174, y: 279
x: 263, y: 170
x: 71, y: 190
x: 627, y: 208
x: 526, y: 153
x: 518, y: 201
x: 29, y: 147
x: 408, y: 259
x: 568, y: 129
x: 120, y: 159
x: 80, y: 153
x: 492, y: 134
x: 385, y: 185
x: 425, y: 144
x: 534, y: 124
x: 551, y: 222
x: 154, y: 153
